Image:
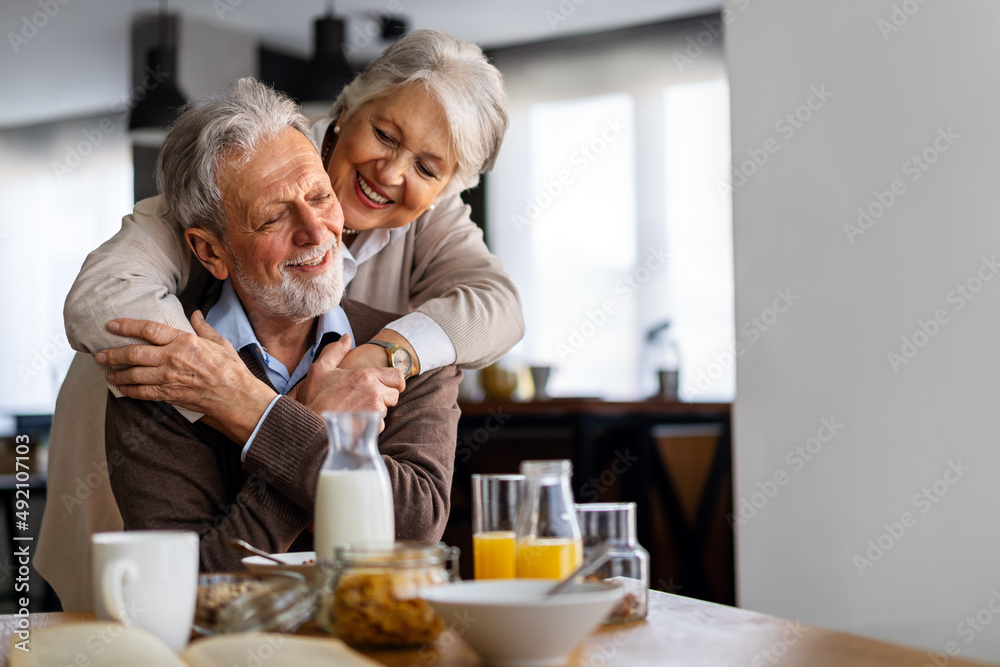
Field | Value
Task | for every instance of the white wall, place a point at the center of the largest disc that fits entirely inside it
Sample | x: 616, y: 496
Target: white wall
x: 826, y: 356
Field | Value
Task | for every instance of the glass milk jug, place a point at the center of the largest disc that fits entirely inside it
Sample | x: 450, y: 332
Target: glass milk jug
x: 353, y: 494
x: 548, y: 535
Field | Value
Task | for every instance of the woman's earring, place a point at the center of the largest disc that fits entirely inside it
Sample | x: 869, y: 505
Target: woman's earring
x: 336, y: 129
x: 431, y: 207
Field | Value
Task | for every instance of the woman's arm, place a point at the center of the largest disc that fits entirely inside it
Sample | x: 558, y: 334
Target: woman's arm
x: 136, y: 274
x: 462, y: 287
x: 455, y: 283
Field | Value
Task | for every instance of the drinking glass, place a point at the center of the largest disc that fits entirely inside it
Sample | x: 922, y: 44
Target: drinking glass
x: 495, y: 501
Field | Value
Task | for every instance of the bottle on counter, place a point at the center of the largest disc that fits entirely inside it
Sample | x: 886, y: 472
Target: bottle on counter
x: 548, y: 535
x: 353, y: 494
x: 628, y: 563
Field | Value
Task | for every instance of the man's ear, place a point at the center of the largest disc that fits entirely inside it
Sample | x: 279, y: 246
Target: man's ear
x: 209, y: 251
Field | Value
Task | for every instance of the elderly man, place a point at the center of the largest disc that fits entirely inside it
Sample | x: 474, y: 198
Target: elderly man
x: 242, y: 175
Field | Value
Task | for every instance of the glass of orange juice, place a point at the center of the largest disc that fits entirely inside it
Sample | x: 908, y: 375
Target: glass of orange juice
x: 548, y: 545
x: 495, y: 502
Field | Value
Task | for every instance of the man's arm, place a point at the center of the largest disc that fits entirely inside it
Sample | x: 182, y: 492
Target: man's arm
x: 417, y: 445
x: 165, y: 475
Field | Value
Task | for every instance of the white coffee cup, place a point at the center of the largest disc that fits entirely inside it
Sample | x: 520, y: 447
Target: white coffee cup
x: 149, y: 579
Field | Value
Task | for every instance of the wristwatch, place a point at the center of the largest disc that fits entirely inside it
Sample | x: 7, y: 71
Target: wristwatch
x: 399, y: 357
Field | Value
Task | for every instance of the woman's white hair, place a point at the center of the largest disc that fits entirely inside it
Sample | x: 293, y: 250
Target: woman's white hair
x: 233, y: 125
x: 459, y: 77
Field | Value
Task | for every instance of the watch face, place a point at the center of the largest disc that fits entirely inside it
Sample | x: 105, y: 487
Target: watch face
x: 401, y: 359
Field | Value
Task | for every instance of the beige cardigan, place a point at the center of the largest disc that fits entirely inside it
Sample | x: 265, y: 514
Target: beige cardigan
x: 438, y: 263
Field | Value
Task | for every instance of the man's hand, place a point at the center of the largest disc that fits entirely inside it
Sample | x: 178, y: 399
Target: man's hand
x: 330, y: 386
x: 202, y: 373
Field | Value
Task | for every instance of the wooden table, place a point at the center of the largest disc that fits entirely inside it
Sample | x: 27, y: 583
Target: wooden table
x: 679, y: 632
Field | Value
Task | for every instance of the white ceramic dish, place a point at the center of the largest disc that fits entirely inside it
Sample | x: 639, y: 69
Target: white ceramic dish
x: 511, y: 623
x: 303, y: 562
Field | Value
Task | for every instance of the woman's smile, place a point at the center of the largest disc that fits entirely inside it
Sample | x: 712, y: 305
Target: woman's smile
x: 392, y: 159
x: 371, y: 193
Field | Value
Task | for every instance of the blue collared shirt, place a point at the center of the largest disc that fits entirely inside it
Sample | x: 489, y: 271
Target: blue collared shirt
x: 229, y: 319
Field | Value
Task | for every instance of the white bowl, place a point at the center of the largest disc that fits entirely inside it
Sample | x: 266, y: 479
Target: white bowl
x: 511, y: 623
x: 303, y: 562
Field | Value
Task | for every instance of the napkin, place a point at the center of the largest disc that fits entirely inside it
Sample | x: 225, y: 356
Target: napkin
x: 114, y: 645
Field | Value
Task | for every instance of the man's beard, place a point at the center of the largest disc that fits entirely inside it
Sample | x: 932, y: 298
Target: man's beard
x: 293, y: 298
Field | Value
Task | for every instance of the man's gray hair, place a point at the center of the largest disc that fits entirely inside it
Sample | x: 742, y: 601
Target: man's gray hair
x: 459, y: 77
x: 232, y: 124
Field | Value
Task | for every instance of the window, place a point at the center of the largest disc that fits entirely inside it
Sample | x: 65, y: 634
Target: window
x: 700, y: 235
x: 605, y: 208
x: 581, y: 153
x: 64, y: 188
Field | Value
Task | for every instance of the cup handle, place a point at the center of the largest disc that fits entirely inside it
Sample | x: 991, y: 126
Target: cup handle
x: 112, y: 588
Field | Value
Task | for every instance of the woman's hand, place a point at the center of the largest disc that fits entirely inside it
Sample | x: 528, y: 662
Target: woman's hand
x: 373, y: 356
x: 330, y: 385
x: 199, y: 372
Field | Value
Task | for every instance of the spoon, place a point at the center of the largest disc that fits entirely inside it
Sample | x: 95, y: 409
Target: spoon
x: 240, y: 545
x: 597, y: 558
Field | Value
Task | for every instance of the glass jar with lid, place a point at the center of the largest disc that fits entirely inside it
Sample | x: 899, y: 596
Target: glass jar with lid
x: 548, y: 535
x: 628, y: 562
x: 372, y: 599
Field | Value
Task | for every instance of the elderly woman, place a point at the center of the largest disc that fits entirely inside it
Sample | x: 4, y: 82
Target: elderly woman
x: 412, y: 131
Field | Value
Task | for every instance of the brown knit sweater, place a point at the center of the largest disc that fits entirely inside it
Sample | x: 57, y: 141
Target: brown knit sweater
x: 168, y: 473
